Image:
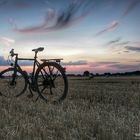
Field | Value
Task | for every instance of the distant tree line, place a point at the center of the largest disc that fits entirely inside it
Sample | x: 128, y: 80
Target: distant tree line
x: 107, y: 74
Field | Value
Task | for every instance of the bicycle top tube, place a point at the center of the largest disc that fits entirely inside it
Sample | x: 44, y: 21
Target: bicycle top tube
x: 12, y: 53
x: 26, y: 59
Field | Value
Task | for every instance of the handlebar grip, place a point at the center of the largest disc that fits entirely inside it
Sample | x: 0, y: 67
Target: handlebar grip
x: 12, y: 53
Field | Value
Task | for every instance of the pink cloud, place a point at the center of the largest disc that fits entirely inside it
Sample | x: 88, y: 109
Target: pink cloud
x: 110, y: 28
x: 39, y: 28
x: 138, y: 45
x: 60, y: 20
x: 7, y: 41
x: 131, y: 5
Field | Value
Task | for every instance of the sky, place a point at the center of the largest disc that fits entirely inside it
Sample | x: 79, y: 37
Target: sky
x: 95, y: 35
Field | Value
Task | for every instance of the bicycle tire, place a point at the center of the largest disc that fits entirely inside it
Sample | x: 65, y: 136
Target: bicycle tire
x: 51, y: 79
x: 10, y: 87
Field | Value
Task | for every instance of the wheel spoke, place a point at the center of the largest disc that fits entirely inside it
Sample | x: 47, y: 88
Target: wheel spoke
x: 55, y: 86
x: 43, y: 89
x: 13, y: 83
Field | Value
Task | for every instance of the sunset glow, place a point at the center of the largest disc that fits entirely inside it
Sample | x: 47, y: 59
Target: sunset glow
x: 99, y: 36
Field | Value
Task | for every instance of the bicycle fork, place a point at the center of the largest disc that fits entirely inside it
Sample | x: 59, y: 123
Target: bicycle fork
x: 13, y: 82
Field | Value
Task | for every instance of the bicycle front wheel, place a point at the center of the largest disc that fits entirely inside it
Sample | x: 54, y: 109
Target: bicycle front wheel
x: 12, y: 83
x: 51, y: 81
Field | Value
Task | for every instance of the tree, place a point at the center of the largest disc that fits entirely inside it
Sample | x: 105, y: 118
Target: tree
x: 91, y: 75
x: 86, y: 73
x: 97, y: 74
x: 107, y: 74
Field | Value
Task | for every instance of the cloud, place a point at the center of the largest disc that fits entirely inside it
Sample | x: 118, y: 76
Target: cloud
x: 123, y: 43
x: 25, y: 63
x: 131, y: 48
x: 125, y: 46
x: 115, y: 66
x: 71, y: 63
x: 7, y: 41
x: 102, y: 64
x: 49, y: 16
x: 56, y: 20
x: 127, y: 66
x: 114, y: 41
x: 3, y: 62
x: 126, y: 51
x: 51, y: 13
x: 131, y: 5
x: 110, y: 28
x: 106, y: 63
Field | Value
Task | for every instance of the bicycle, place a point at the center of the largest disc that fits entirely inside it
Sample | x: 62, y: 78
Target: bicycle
x: 47, y: 78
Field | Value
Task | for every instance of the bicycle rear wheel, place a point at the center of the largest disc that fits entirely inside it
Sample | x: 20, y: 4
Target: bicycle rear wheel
x: 12, y: 82
x: 51, y: 81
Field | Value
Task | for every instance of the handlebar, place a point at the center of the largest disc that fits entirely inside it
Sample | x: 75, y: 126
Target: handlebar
x: 12, y: 54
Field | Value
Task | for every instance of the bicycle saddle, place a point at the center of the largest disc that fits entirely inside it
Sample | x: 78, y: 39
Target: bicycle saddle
x: 38, y: 49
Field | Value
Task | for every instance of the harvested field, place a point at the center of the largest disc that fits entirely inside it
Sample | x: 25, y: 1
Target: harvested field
x: 102, y: 108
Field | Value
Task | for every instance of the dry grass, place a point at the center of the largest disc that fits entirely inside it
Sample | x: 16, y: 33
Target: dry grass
x: 96, y: 109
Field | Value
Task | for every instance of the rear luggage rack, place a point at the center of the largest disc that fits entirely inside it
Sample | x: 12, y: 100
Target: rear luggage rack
x: 50, y: 60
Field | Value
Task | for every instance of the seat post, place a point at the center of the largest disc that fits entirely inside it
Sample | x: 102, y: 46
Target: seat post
x: 35, y: 55
x: 34, y: 65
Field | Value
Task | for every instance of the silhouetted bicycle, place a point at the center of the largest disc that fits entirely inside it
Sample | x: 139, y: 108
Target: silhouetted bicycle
x: 47, y: 78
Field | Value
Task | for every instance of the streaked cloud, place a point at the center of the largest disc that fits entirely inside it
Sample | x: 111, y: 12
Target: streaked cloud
x: 3, y: 62
x: 132, y: 48
x: 123, y: 43
x: 74, y: 63
x: 102, y: 63
x: 130, y: 7
x: 114, y: 41
x: 56, y: 20
x: 50, y: 15
x: 114, y: 66
x: 126, y: 66
x: 125, y: 51
x: 114, y: 25
x: 6, y: 41
x: 77, y: 46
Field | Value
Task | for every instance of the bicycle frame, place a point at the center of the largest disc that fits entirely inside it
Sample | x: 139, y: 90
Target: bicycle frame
x: 47, y: 77
x: 35, y: 63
